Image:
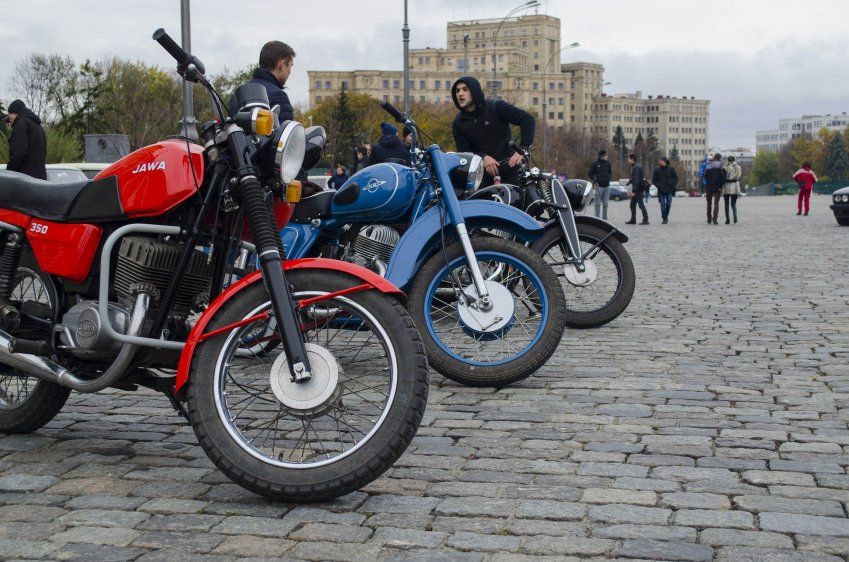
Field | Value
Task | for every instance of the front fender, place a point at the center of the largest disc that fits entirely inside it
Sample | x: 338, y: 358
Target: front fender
x: 209, y: 314
x: 593, y: 221
x: 420, y: 239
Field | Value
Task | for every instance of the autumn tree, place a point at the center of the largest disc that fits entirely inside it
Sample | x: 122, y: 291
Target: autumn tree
x: 836, y: 162
x: 765, y: 168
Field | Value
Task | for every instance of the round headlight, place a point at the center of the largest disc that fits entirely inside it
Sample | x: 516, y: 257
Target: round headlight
x: 290, y: 151
x: 475, y: 172
x: 846, y: 198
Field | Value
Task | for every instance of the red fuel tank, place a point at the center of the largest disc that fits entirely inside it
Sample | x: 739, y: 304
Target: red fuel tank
x: 154, y: 179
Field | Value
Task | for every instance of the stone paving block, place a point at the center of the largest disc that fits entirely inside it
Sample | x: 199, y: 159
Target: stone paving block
x: 181, y: 522
x: 630, y: 514
x: 662, y: 550
x: 480, y: 525
x: 476, y: 507
x: 657, y: 532
x: 483, y: 543
x: 680, y: 500
x: 394, y: 537
x: 714, y: 518
x: 260, y: 547
x: 26, y: 482
x: 545, y: 509
x: 97, y: 553
x: 387, y: 503
x: 97, y: 535
x: 30, y: 513
x: 331, y: 533
x: 804, y: 524
x: 830, y: 545
x: 334, y: 551
x: 567, y: 546
x: 612, y: 495
x: 735, y: 537
x: 103, y: 517
x: 260, y: 526
x: 441, y: 555
x: 789, y: 505
x: 752, y: 554
x: 190, y: 541
x: 23, y: 549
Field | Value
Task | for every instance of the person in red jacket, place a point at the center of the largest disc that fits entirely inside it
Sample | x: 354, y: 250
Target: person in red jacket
x: 806, y: 179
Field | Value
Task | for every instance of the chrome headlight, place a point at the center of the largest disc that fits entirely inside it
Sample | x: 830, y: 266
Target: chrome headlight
x: 476, y: 171
x: 291, y: 144
x: 846, y: 198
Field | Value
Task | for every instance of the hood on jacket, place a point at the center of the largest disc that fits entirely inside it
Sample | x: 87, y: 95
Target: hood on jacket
x: 474, y: 87
x: 387, y: 129
x: 714, y: 164
x: 389, y: 141
x: 26, y: 113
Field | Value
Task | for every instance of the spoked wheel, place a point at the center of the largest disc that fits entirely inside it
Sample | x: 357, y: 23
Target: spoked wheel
x: 495, y: 346
x: 601, y: 293
x: 27, y: 403
x: 315, y: 440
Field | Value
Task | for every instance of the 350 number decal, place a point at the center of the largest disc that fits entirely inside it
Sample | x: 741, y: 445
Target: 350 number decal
x: 38, y: 228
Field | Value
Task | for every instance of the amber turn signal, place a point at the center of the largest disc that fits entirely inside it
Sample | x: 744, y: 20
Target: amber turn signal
x: 263, y: 122
x: 293, y: 192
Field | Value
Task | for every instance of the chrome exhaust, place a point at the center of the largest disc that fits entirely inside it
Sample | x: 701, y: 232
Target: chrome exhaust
x: 45, y: 369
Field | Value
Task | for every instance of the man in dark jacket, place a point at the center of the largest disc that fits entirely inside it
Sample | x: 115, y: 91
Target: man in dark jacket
x: 600, y: 174
x: 389, y: 148
x: 483, y: 126
x: 275, y: 65
x: 27, y: 142
x: 637, y: 182
x: 665, y: 178
x: 714, y: 180
x: 338, y: 179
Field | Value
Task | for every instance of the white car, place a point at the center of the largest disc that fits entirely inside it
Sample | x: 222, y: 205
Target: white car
x: 68, y: 173
x: 680, y: 194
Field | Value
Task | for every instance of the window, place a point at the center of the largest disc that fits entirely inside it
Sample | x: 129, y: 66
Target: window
x: 318, y: 98
x: 559, y: 101
x: 422, y: 85
x: 421, y: 60
x: 535, y: 86
x: 396, y: 84
x: 551, y: 85
x: 345, y: 84
x: 551, y: 115
x: 397, y: 99
x: 437, y: 85
x: 385, y: 98
x: 436, y: 98
x: 427, y: 60
x: 318, y: 84
x: 560, y: 115
x: 422, y: 99
x: 412, y: 85
x: 327, y: 85
x: 535, y: 101
x: 560, y: 86
x: 386, y: 84
x: 442, y: 60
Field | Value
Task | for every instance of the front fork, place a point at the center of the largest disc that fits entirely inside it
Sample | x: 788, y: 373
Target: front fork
x: 566, y: 220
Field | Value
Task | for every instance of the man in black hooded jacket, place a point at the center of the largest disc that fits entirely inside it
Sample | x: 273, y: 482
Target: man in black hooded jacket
x: 483, y: 127
x: 275, y: 65
x: 27, y: 142
x: 389, y: 148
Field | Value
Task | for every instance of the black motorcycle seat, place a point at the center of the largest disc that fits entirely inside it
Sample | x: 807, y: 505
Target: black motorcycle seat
x: 90, y: 200
x: 313, y: 206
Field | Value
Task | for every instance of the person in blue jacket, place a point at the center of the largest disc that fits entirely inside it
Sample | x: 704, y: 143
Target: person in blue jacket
x: 389, y: 148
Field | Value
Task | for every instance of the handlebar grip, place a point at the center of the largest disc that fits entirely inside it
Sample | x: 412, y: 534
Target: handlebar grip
x: 390, y: 109
x: 181, y: 56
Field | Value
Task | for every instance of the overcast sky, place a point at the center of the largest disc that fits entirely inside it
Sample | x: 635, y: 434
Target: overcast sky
x: 756, y: 60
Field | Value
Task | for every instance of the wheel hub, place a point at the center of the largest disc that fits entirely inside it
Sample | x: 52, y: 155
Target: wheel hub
x: 312, y: 397
x: 487, y: 324
x: 581, y: 278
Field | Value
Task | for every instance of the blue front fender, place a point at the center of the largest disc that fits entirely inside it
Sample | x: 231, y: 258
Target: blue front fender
x: 423, y: 236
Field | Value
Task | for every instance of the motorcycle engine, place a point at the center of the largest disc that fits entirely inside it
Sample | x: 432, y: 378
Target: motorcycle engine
x: 373, y: 247
x: 143, y: 265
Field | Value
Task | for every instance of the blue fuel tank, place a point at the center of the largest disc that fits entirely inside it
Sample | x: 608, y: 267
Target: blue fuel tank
x: 378, y: 193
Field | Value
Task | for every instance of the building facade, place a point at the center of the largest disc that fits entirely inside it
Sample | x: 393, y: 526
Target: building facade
x: 526, y: 53
x: 790, y: 128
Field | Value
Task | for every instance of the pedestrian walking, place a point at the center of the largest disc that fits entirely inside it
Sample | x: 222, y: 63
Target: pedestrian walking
x: 805, y: 177
x: 338, y: 179
x: 600, y: 174
x: 639, y: 186
x: 27, y: 142
x: 665, y: 178
x: 389, y: 148
x: 714, y: 180
x: 731, y: 187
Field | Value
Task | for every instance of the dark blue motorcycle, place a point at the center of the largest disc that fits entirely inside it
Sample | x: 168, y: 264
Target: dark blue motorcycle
x: 489, y: 309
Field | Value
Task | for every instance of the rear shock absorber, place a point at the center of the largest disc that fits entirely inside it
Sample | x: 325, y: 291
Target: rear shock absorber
x: 9, y: 315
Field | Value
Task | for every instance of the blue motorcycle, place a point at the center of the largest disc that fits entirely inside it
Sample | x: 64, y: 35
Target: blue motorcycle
x: 489, y: 309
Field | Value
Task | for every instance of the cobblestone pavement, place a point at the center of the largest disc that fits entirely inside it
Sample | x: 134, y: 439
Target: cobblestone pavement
x: 709, y: 422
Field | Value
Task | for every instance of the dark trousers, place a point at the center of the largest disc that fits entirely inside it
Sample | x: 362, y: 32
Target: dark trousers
x: 733, y: 200
x: 665, y: 204
x: 712, y: 199
x: 637, y: 199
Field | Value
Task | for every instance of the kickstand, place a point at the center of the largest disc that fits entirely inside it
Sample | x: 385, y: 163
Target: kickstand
x: 176, y: 404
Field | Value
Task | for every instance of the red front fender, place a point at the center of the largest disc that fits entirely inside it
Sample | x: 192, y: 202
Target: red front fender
x: 367, y: 276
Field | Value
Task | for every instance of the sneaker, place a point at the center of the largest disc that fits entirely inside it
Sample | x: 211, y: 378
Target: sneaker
x: 708, y: 220
x: 714, y: 221
x: 665, y: 221
x: 632, y: 221
x: 806, y: 214
x: 727, y: 221
x: 799, y: 213
x: 644, y: 222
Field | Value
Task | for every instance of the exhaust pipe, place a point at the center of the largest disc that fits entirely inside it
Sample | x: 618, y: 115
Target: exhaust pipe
x: 45, y: 369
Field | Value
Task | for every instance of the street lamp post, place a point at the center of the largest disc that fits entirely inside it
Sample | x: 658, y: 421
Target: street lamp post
x: 545, y: 100
x: 529, y: 4
x: 466, y: 38
x: 405, y: 33
x: 188, y: 127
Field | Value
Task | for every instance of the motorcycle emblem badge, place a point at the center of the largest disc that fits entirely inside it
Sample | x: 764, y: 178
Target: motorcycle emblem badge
x: 373, y: 184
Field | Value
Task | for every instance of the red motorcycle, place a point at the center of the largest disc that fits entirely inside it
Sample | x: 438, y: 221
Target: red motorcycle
x: 303, y: 380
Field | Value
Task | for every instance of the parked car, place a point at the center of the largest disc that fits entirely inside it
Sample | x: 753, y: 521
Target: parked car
x: 680, y: 193
x: 90, y: 169
x: 841, y: 206
x: 71, y: 172
x: 619, y: 192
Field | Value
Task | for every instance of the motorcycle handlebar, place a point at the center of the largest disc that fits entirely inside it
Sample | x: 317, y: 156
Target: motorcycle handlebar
x: 183, y: 58
x: 391, y: 110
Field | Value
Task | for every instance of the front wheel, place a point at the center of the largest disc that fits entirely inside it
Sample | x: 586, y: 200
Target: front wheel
x: 315, y: 440
x: 602, y: 292
x: 494, y: 347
